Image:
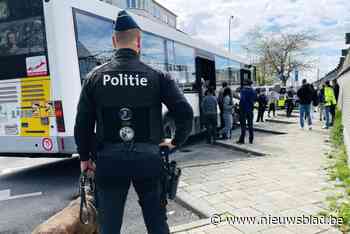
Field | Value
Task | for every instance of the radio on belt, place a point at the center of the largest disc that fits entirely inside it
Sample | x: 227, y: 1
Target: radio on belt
x: 126, y: 132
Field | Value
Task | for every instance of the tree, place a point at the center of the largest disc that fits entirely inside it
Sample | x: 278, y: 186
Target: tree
x: 279, y: 54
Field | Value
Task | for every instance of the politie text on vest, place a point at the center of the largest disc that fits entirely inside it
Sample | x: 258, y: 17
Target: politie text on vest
x: 125, y: 80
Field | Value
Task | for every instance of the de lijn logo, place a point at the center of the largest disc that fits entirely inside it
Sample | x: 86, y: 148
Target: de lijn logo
x: 125, y: 80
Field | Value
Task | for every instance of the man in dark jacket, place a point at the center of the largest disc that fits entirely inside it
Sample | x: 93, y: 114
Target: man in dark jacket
x: 306, y: 95
x: 246, y: 107
x: 123, y: 100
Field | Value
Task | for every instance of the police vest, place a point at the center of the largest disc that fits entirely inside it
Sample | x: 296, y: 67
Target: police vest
x: 129, y: 107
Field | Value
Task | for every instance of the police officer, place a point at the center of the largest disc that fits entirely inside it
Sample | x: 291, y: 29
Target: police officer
x: 123, y: 98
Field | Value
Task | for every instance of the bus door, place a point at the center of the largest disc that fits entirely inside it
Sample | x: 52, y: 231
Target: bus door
x: 205, y: 78
x: 205, y: 74
x: 245, y: 75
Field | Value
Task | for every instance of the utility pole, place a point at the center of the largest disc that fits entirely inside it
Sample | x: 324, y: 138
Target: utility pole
x: 229, y: 33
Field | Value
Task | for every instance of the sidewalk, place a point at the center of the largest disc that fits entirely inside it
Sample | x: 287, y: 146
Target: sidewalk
x: 289, y: 180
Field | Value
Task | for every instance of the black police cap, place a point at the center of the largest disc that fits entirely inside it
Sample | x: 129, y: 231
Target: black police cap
x: 125, y: 22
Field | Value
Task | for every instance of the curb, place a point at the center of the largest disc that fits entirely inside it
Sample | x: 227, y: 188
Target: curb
x: 279, y: 121
x: 270, y: 131
x: 190, y: 226
x: 292, y: 116
x: 202, y: 209
x: 241, y: 149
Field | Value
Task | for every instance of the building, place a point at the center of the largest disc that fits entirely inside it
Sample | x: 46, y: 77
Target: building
x: 147, y: 8
x: 332, y: 75
x: 344, y: 96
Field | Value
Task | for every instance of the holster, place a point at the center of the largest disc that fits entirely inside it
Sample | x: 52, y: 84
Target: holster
x: 170, y: 175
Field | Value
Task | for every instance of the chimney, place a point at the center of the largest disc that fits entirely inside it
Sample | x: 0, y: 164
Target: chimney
x: 344, y: 52
x: 347, y: 38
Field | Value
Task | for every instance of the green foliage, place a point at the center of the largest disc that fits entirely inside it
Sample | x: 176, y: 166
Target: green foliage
x: 339, y: 206
x: 337, y: 131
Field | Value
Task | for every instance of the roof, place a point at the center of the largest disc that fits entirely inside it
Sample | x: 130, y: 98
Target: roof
x: 171, y: 12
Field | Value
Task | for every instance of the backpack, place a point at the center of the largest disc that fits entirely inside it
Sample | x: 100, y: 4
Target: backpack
x: 315, y: 99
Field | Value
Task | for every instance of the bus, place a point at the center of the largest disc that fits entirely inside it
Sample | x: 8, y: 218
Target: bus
x: 48, y: 46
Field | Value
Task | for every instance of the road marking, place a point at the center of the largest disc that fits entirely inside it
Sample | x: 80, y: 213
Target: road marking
x: 10, y: 170
x: 5, y: 195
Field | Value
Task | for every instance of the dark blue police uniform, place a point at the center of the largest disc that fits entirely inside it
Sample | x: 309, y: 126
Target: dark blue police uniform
x: 123, y: 99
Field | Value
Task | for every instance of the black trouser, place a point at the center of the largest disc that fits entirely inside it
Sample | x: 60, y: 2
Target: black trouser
x: 333, y: 110
x: 111, y: 202
x: 272, y: 108
x: 261, y: 113
x: 246, y: 118
x: 116, y: 169
x: 289, y: 107
x: 211, y: 124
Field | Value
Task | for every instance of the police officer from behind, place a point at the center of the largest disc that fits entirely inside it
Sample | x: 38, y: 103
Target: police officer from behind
x: 124, y: 99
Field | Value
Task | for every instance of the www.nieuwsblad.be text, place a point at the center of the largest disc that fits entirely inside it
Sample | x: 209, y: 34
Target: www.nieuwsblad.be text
x: 217, y: 219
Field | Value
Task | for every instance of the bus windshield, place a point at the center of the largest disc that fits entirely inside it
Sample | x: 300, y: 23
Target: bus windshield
x: 22, y: 39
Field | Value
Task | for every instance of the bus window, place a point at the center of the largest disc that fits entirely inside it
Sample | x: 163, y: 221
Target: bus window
x: 94, y: 42
x: 153, y: 51
x: 222, y: 71
x: 234, y: 68
x: 22, y: 38
x: 181, y: 65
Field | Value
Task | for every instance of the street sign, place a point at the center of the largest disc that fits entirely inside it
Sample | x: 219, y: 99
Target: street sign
x: 296, y: 75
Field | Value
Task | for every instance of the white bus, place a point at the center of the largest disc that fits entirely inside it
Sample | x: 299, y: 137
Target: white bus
x: 48, y: 46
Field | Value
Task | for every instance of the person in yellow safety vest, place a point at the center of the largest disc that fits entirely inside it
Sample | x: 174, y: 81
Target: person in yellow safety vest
x: 329, y: 101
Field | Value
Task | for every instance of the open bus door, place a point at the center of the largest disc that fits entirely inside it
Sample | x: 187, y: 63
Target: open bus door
x: 205, y: 74
x: 245, y: 75
x: 205, y: 78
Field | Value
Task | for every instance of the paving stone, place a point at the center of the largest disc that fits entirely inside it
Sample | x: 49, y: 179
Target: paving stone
x: 289, y: 183
x: 276, y: 230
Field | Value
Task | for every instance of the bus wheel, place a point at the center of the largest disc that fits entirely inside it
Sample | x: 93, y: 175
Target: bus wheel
x: 169, y: 129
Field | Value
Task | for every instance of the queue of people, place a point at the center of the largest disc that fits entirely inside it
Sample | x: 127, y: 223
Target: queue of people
x: 307, y: 96
x: 224, y: 102
x: 325, y: 99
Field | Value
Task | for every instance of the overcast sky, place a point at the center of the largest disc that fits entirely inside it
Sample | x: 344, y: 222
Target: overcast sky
x: 208, y: 20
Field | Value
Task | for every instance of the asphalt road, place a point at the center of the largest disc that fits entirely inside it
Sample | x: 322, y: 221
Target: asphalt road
x: 28, y: 197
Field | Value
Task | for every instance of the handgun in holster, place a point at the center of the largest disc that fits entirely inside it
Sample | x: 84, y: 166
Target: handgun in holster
x: 170, y: 176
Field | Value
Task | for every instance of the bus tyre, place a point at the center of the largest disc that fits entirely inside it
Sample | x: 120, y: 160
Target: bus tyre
x: 169, y: 128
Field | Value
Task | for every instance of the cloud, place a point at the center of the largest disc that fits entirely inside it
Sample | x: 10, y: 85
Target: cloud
x: 209, y: 19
